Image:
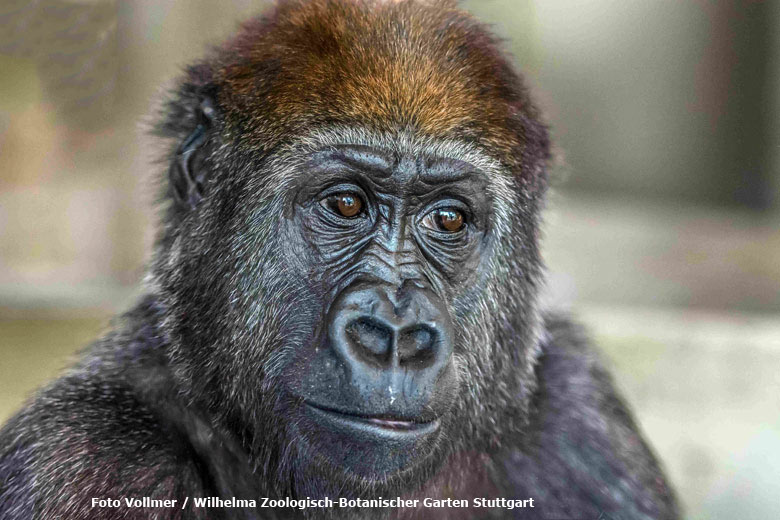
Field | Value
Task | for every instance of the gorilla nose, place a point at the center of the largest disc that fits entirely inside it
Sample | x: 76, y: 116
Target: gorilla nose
x: 374, y: 325
x: 384, y: 343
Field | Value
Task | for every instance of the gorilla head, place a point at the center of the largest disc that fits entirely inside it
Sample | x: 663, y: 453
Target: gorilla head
x: 350, y: 265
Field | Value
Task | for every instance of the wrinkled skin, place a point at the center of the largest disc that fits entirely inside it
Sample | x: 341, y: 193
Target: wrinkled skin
x: 385, y: 279
x: 343, y: 298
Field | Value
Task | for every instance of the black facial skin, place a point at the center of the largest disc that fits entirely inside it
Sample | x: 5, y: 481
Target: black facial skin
x: 379, y: 375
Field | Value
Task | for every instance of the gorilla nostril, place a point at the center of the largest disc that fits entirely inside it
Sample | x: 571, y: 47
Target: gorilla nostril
x: 417, y: 345
x: 371, y: 338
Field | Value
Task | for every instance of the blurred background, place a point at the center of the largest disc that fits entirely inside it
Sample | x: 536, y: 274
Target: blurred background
x: 662, y: 233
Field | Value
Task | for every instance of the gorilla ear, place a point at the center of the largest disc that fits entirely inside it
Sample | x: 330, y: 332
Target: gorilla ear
x: 187, y: 174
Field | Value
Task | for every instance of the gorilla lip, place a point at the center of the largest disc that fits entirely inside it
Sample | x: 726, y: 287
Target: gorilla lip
x: 401, y: 426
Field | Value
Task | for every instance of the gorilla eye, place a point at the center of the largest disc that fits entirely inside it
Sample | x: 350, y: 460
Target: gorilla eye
x: 347, y: 205
x: 448, y: 220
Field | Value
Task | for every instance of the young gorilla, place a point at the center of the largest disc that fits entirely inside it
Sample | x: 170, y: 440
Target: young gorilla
x: 343, y: 299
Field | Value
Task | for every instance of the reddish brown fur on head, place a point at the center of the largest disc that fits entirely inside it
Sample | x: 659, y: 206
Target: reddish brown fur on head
x: 423, y: 67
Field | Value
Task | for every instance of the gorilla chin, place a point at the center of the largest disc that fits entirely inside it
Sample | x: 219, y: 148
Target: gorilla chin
x: 371, y: 448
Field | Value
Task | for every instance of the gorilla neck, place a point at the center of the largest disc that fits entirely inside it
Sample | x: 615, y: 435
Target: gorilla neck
x: 464, y: 473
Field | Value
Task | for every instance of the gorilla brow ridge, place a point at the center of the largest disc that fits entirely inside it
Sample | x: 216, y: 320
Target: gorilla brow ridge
x: 402, y: 141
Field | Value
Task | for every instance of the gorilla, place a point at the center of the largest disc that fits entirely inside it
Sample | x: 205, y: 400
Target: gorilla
x: 342, y: 302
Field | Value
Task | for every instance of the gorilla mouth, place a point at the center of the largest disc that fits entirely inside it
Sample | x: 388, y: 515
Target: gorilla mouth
x: 379, y: 424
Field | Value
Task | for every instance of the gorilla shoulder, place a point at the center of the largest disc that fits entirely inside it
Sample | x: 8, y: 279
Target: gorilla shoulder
x: 584, y: 455
x: 94, y: 433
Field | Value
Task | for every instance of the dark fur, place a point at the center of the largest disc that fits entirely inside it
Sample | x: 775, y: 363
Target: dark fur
x: 185, y: 397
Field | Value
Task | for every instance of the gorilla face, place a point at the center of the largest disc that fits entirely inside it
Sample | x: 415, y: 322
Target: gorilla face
x: 346, y: 307
x: 388, y: 241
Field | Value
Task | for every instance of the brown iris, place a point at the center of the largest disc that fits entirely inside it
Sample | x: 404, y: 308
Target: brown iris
x: 449, y: 220
x: 347, y: 205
